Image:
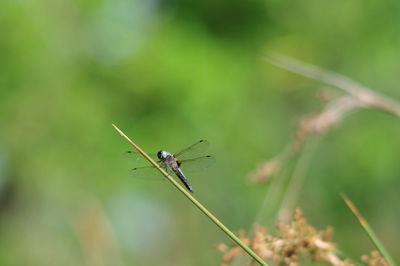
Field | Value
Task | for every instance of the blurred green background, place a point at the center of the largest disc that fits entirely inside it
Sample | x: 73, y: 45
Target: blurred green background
x: 169, y: 73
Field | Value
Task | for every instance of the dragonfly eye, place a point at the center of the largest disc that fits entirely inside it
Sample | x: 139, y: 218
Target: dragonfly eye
x: 161, y: 155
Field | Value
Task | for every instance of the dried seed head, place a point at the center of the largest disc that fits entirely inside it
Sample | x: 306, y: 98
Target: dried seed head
x: 294, y: 243
x: 374, y: 258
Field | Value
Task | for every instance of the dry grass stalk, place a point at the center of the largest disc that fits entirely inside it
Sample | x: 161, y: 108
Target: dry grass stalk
x: 374, y: 259
x: 312, y: 126
x: 363, y: 94
x: 296, y: 243
x: 356, y: 96
x: 265, y: 171
x: 309, y: 125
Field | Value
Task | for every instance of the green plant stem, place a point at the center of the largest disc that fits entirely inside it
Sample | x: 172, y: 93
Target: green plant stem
x: 368, y: 230
x: 195, y: 202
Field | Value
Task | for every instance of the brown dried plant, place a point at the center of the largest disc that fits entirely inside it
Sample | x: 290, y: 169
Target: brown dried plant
x: 374, y: 259
x: 295, y: 243
x: 289, y: 167
x: 356, y: 96
x: 309, y: 125
x: 297, y: 240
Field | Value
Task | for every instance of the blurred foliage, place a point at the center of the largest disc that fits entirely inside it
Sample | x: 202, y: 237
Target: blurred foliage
x: 169, y: 73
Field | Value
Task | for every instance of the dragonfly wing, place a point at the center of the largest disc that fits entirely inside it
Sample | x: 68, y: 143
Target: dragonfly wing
x: 145, y: 172
x: 193, y: 151
x: 137, y: 159
x: 197, y: 164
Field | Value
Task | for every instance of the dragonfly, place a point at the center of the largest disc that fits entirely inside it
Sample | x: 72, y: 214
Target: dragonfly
x: 189, y: 159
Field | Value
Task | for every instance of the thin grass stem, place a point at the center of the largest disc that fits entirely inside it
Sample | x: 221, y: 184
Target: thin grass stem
x: 195, y: 201
x: 368, y: 230
x: 297, y: 181
x: 365, y: 95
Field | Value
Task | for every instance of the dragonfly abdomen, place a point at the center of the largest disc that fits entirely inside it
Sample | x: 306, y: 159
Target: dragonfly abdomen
x: 182, y: 177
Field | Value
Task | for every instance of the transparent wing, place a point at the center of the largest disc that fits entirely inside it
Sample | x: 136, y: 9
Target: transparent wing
x: 146, y: 172
x: 137, y: 159
x: 197, y: 164
x: 195, y: 150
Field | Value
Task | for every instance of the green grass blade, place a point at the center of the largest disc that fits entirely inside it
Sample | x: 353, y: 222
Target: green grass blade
x: 368, y: 230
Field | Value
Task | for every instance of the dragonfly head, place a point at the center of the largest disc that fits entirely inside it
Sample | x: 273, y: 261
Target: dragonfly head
x: 162, y: 155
